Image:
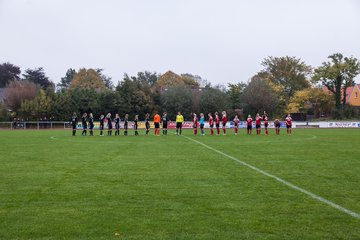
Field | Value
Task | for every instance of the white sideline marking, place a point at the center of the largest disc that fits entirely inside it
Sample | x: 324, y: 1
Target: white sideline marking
x: 321, y: 199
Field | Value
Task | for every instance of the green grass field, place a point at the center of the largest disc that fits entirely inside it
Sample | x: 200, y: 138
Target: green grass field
x: 54, y: 186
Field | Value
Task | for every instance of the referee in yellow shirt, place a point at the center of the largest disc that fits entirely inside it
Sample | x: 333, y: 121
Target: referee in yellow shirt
x: 179, y: 123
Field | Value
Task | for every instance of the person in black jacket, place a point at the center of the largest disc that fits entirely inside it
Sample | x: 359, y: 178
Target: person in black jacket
x: 109, y: 123
x: 117, y: 125
x: 14, y: 123
x: 136, y: 119
x: 101, y: 126
x: 91, y: 124
x: 126, y: 124
x: 74, y: 122
x: 84, y: 124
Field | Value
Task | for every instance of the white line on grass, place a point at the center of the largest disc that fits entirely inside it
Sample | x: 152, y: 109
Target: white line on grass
x: 321, y: 199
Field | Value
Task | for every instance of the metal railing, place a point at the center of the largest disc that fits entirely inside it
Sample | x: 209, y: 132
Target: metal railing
x: 34, y: 125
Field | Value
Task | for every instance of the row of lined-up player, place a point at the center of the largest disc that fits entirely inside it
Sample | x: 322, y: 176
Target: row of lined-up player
x: 87, y: 122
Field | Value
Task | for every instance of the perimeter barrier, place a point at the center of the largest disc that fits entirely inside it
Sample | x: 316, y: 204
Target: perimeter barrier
x: 28, y: 125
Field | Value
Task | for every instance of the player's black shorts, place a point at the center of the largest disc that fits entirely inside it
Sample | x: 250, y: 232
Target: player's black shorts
x: 249, y: 127
x: 217, y: 125
x: 165, y: 125
x: 84, y: 127
x: 202, y: 126
x: 224, y: 124
x: 277, y: 125
x: 179, y: 125
x: 157, y: 125
x: 91, y: 126
x: 266, y: 125
x: 258, y: 125
x: 147, y: 125
x: 74, y: 126
x: 212, y: 125
x: 101, y: 127
x: 288, y: 126
x: 117, y: 126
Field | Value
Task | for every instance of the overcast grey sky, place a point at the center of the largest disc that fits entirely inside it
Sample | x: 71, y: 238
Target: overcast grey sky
x: 222, y: 41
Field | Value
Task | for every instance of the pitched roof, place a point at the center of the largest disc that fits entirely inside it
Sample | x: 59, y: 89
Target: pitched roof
x: 349, y: 90
x: 348, y: 93
x: 2, y: 94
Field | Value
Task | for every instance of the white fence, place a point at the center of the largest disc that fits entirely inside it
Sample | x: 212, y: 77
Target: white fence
x: 34, y: 125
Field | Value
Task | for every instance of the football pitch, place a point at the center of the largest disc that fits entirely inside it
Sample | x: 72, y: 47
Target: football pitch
x: 303, y: 186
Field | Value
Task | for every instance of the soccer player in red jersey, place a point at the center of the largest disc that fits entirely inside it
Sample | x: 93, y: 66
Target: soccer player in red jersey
x: 288, y: 120
x: 195, y: 123
x: 249, y: 124
x: 258, y: 124
x: 277, y: 126
x: 224, y: 121
x: 266, y: 123
x: 217, y: 123
x: 211, y: 123
x: 236, y: 124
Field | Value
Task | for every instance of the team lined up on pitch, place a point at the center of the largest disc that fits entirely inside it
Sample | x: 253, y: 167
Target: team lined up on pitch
x: 87, y: 122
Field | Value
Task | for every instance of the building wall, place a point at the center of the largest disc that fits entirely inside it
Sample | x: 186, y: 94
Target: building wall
x: 354, y: 99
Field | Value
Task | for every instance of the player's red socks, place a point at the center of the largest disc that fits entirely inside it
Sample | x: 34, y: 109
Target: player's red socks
x: 212, y: 131
x: 195, y: 131
x: 218, y: 131
x: 157, y: 132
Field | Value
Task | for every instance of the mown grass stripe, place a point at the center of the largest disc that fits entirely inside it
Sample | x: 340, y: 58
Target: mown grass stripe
x: 312, y: 195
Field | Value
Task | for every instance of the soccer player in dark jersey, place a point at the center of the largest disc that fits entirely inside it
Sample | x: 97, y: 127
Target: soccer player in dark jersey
x: 84, y: 124
x: 288, y: 120
x: 217, y: 123
x: 126, y: 124
x: 91, y: 124
x: 224, y: 121
x: 195, y: 123
x: 249, y: 124
x: 74, y: 122
x: 236, y: 124
x: 136, y: 119
x: 266, y: 122
x: 211, y: 124
x: 109, y: 123
x: 258, y: 124
x: 164, y: 120
x: 117, y: 124
x: 147, y: 123
x: 277, y: 126
x: 101, y: 127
